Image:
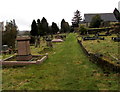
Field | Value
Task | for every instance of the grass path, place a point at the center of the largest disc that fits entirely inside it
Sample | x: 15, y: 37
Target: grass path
x: 66, y: 69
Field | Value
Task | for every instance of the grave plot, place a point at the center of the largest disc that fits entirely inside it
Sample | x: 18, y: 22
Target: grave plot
x: 107, y: 48
x: 116, y: 39
x: 92, y: 37
x: 59, y: 38
x: 24, y: 56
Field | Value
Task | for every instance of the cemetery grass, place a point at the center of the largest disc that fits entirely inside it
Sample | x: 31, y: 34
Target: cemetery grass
x: 67, y: 68
x: 107, y: 48
x: 3, y: 56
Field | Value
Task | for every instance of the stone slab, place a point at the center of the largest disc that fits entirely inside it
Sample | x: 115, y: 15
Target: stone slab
x: 23, y: 57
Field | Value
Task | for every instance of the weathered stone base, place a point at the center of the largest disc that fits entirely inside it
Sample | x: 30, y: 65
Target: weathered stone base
x: 22, y: 63
x: 23, y: 57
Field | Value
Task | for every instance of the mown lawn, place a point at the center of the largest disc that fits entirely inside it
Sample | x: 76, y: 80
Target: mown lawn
x: 105, y: 47
x: 67, y: 68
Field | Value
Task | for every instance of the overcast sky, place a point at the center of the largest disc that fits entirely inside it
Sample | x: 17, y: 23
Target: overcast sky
x: 24, y: 11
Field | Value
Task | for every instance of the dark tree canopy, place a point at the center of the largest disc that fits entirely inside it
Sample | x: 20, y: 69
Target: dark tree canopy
x: 9, y: 35
x: 42, y: 28
x: 39, y: 27
x: 38, y: 21
x: 96, y: 21
x: 50, y: 30
x: 76, y: 19
x: 63, y: 21
x: 55, y: 28
x: 44, y: 24
x: 67, y: 27
x: 11, y: 26
x: 64, y: 26
x: 34, y: 29
x: 117, y: 14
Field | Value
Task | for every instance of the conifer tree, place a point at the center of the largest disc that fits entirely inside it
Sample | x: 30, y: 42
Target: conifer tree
x: 55, y: 28
x: 39, y: 27
x: 44, y: 24
x: 34, y: 29
x: 76, y: 19
x: 64, y: 26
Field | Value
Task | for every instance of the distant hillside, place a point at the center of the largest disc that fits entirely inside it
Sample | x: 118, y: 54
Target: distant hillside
x: 23, y: 33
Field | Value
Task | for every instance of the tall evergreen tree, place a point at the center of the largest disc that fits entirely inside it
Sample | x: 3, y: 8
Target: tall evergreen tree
x: 76, y: 19
x: 34, y: 29
x: 55, y: 28
x: 117, y: 14
x: 44, y: 25
x: 39, y: 27
x: 63, y: 25
x: 50, y: 30
x: 67, y: 27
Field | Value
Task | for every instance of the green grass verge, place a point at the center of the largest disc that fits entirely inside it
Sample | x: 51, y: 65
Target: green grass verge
x: 67, y: 68
x: 6, y: 56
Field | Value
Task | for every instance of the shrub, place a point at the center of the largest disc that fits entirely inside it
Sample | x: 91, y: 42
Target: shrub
x: 96, y: 22
x: 83, y: 30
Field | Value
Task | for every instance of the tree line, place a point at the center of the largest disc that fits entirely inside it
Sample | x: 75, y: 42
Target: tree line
x: 42, y: 28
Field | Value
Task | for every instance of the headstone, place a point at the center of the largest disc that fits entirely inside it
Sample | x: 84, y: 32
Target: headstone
x: 57, y: 36
x: 5, y: 49
x: 116, y: 39
x: 48, y: 41
x: 62, y: 37
x: 38, y: 41
x: 23, y: 45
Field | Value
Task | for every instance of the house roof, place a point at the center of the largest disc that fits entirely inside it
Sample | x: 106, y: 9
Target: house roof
x: 104, y: 16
